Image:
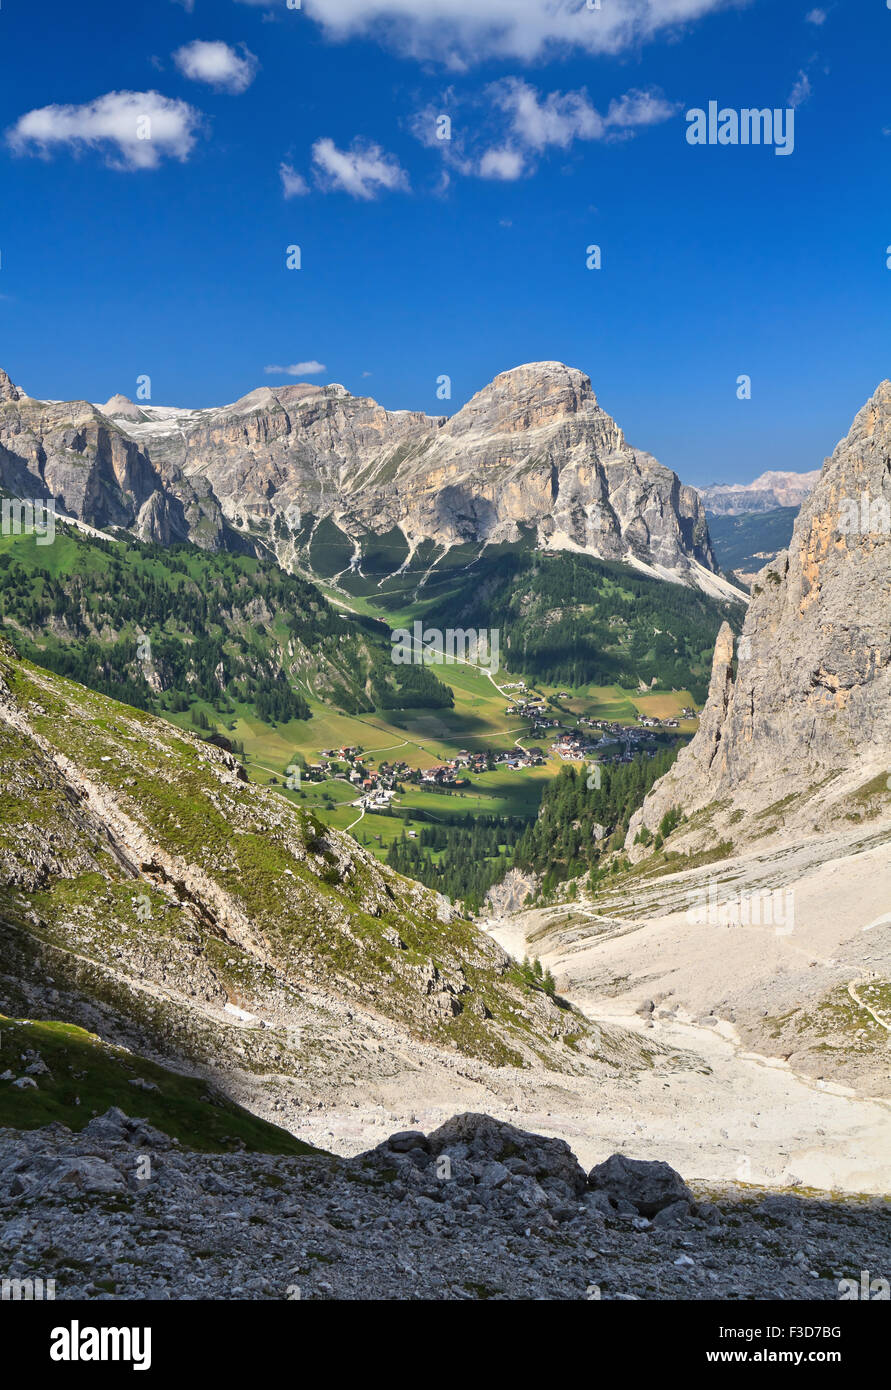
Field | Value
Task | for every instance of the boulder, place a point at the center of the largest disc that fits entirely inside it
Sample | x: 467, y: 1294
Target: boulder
x: 480, y: 1139
x: 406, y: 1140
x: 646, y: 1186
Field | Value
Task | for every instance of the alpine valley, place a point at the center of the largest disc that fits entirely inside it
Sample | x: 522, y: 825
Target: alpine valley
x: 268, y: 896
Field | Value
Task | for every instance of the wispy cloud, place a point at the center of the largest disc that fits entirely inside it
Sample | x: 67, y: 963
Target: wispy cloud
x: 135, y: 130
x: 311, y: 368
x: 364, y: 170
x: 462, y: 33
x: 294, y: 185
x: 217, y: 64
x: 817, y: 17
x: 519, y: 124
x: 801, y: 91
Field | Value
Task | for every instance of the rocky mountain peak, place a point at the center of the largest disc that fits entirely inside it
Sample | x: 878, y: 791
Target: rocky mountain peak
x: 525, y: 398
x: 768, y: 491
x: 532, y: 452
x: 809, y: 703
x: 8, y: 389
x: 121, y: 407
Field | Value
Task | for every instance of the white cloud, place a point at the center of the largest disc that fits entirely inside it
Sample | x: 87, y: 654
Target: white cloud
x: 298, y: 369
x: 801, y: 91
x: 464, y: 32
x: 364, y: 170
x: 294, y: 185
x: 817, y: 17
x: 522, y: 124
x: 557, y: 120
x: 136, y: 130
x: 503, y: 163
x: 217, y: 64
x: 638, y: 108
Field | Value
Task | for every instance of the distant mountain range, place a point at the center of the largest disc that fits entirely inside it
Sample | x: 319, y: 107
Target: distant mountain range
x: 769, y: 491
x: 338, y: 486
x: 750, y: 523
x: 745, y: 542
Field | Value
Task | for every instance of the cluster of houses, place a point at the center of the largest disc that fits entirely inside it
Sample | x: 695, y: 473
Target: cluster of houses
x: 533, y: 708
x: 627, y: 740
x: 572, y: 748
x: 378, y: 787
x: 450, y: 773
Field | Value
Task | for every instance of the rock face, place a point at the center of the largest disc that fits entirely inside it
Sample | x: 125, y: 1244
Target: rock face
x: 532, y: 454
x: 72, y: 453
x: 807, y: 700
x: 768, y: 491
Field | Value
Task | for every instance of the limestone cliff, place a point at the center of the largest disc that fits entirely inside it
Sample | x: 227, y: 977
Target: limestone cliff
x: 70, y: 452
x: 804, y: 710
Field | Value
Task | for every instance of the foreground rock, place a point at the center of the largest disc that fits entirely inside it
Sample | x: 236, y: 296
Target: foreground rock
x: 477, y: 1209
x: 648, y: 1187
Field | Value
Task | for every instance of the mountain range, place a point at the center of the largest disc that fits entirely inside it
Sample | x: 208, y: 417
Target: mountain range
x: 339, y: 486
x: 768, y: 492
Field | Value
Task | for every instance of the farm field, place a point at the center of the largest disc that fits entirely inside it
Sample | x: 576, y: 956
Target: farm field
x: 426, y: 738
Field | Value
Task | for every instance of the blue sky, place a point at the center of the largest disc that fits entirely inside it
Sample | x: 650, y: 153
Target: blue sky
x: 122, y: 257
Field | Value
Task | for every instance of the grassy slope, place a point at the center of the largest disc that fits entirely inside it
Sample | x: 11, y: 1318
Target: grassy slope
x: 87, y: 1075
x: 307, y: 903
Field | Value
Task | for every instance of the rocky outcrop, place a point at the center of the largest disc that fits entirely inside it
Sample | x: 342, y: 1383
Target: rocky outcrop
x: 70, y: 452
x: 8, y: 389
x: 804, y: 704
x: 399, y: 1223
